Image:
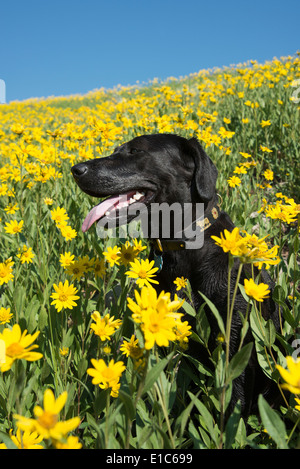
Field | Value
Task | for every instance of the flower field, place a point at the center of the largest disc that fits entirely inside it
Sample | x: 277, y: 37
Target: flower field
x: 90, y: 355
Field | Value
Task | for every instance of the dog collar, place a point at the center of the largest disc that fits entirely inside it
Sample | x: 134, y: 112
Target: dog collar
x: 162, y: 245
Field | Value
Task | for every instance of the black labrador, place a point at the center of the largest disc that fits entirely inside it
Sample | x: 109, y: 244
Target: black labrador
x: 168, y: 168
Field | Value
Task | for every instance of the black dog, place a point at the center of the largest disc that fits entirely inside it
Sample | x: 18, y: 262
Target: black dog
x: 168, y: 168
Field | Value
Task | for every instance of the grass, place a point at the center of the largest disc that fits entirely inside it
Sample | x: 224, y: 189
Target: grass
x: 247, y: 119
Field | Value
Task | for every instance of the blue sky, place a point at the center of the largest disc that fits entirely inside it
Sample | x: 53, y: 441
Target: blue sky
x: 51, y: 47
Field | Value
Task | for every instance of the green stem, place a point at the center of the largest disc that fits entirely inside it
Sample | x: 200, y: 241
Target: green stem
x: 293, y: 429
x: 106, y: 419
x: 163, y: 406
x: 230, y: 313
x: 246, y: 320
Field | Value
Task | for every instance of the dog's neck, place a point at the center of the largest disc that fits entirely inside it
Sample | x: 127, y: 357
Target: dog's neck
x: 211, y: 214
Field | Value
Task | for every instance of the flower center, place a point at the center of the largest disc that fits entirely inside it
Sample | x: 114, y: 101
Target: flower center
x: 47, y: 420
x: 142, y: 273
x: 63, y: 297
x: 14, y: 349
x: 128, y: 255
x: 154, y: 327
x: 109, y: 375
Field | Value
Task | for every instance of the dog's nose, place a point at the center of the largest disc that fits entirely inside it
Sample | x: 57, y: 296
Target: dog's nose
x: 79, y: 169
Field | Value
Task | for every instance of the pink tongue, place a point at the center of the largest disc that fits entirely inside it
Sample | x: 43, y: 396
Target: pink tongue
x: 108, y: 204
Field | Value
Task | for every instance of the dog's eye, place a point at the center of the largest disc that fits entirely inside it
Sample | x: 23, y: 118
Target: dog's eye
x: 134, y: 150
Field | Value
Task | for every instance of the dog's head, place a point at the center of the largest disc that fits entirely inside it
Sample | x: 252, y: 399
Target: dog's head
x: 151, y: 168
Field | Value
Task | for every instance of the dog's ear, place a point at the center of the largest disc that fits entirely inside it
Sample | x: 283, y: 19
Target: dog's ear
x: 205, y: 175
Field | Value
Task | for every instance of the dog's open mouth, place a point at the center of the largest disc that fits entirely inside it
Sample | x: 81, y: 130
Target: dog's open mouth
x: 114, y: 203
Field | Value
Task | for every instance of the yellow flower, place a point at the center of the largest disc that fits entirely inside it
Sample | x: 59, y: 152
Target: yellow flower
x: 156, y: 315
x: 106, y: 349
x: 67, y: 232
x: 27, y: 439
x: 104, y: 327
x: 249, y: 248
x: 131, y: 348
x: 72, y: 442
x: 66, y: 259
x: 245, y: 155
x: 107, y: 376
x: 265, y: 123
x: 128, y: 253
x: 25, y: 255
x: 220, y: 338
x: 180, y: 283
x: 229, y: 241
x: 269, y: 175
x: 18, y: 346
x: 6, y: 272
x: 11, y: 209
x: 46, y: 422
x: 14, y: 227
x: 5, y: 315
x: 265, y: 149
x: 64, y: 296
x: 240, y: 170
x: 59, y: 215
x: 182, y: 332
x: 257, y: 250
x: 143, y: 271
x: 138, y: 246
x: 234, y: 181
x: 285, y: 212
x: 48, y: 201
x: 3, y: 189
x: 87, y: 263
x: 257, y: 292
x: 226, y: 133
x: 76, y: 269
x: 291, y: 376
x: 112, y: 255
x: 17, y: 129
x: 297, y: 407
x: 64, y: 351
x: 158, y: 327
x: 99, y: 268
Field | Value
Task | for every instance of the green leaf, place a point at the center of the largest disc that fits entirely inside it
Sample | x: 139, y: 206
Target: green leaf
x: 258, y: 327
x: 263, y: 331
x: 82, y: 367
x: 189, y: 309
x: 155, y: 371
x: 238, y: 363
x: 215, y: 313
x: 270, y: 333
x: 19, y: 297
x: 186, y: 414
x: 272, y: 423
x: 202, y: 325
x: 43, y: 318
x: 207, y: 419
x: 232, y: 426
x: 7, y: 440
x: 128, y: 404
